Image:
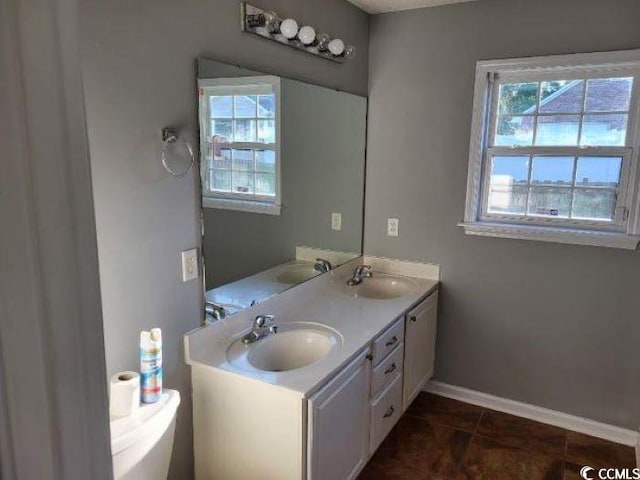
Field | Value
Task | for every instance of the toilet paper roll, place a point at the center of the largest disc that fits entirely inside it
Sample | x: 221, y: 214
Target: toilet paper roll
x: 124, y: 397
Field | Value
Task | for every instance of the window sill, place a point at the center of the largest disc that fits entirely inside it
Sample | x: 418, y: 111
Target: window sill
x: 242, y: 205
x: 553, y: 234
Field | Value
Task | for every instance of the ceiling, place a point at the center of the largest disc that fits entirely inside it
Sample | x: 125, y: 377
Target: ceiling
x: 382, y: 6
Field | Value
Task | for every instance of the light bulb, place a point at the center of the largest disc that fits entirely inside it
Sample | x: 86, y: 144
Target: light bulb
x: 350, y: 52
x: 271, y: 21
x: 307, y: 35
x: 336, y: 47
x: 322, y: 41
x: 289, y: 28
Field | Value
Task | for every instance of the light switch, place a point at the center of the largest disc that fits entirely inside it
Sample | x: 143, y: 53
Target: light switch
x: 336, y: 221
x: 392, y: 227
x: 189, y: 265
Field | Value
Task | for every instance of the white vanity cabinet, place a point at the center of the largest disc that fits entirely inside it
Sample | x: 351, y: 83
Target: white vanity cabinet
x: 419, y: 348
x: 338, y: 424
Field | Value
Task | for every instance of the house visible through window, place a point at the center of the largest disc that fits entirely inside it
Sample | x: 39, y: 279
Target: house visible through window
x: 554, y: 149
x: 240, y: 147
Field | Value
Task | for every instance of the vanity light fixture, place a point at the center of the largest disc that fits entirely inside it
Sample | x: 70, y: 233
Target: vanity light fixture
x: 269, y: 25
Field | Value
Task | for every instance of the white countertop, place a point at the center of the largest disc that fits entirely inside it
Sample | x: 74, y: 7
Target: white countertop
x: 325, y: 300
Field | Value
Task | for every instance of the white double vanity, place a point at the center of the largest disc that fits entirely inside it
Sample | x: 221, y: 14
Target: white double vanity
x: 316, y: 389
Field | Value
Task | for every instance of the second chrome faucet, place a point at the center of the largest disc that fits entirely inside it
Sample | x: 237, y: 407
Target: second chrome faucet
x: 360, y: 273
x: 263, y: 325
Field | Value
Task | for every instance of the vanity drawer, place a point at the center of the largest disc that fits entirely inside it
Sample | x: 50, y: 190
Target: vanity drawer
x: 385, y: 371
x: 388, y: 340
x: 386, y: 409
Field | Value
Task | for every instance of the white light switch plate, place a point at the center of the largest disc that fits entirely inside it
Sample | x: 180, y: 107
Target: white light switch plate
x: 392, y: 227
x: 189, y: 265
x: 336, y: 221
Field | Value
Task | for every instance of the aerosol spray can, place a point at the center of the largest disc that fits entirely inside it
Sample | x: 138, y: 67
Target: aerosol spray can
x: 151, y: 365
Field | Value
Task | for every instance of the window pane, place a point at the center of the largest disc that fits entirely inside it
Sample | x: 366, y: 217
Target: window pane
x: 267, y: 131
x: 265, y: 160
x: 265, y: 184
x: 604, y: 130
x: 550, y: 201
x: 561, y: 96
x: 222, y: 128
x: 245, y: 106
x: 221, y: 106
x: 598, y: 171
x: 267, y: 106
x: 514, y: 131
x: 507, y: 170
x: 608, y: 94
x: 245, y: 130
x: 594, y: 204
x: 220, y: 180
x: 552, y: 171
x: 507, y: 199
x: 224, y: 160
x: 242, y: 182
x: 518, y: 98
x: 558, y: 130
x: 243, y: 159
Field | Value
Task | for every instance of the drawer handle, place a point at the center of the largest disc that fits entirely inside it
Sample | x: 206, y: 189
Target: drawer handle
x: 393, y: 340
x: 391, y: 369
x: 389, y: 412
x: 414, y: 318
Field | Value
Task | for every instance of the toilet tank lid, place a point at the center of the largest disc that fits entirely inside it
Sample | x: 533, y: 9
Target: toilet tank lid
x: 127, y: 430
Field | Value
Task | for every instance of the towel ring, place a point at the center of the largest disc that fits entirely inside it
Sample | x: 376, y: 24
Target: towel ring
x: 169, y: 137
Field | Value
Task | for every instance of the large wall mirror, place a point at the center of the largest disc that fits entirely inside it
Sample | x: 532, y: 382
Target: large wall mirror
x: 282, y: 172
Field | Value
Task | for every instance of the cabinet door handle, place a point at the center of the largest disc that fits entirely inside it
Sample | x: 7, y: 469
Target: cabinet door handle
x: 393, y: 340
x: 389, y: 412
x: 392, y: 368
x: 413, y: 318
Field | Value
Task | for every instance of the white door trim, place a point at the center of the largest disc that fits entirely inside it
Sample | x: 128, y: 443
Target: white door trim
x: 532, y: 412
x: 53, y: 393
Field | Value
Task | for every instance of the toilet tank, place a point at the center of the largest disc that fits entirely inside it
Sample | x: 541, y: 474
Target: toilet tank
x: 141, y: 443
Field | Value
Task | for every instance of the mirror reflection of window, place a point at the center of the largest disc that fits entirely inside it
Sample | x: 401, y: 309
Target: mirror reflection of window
x: 239, y: 125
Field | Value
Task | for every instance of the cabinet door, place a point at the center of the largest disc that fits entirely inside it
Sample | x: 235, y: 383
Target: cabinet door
x: 338, y: 435
x: 419, y: 347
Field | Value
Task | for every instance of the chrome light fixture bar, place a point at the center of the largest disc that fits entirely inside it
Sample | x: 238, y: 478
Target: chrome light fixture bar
x: 287, y: 32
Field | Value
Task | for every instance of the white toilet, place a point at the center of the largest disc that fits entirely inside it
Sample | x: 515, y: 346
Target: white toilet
x: 141, y: 444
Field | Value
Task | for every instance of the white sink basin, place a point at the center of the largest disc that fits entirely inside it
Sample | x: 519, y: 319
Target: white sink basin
x: 297, y: 274
x: 383, y: 287
x: 296, y: 345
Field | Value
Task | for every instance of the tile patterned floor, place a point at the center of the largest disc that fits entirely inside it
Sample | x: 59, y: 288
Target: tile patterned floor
x: 443, y: 439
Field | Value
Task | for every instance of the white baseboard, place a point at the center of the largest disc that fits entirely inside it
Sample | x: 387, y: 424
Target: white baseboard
x: 539, y: 414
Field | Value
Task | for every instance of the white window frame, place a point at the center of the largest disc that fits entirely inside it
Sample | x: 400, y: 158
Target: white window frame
x: 228, y: 200
x: 624, y: 231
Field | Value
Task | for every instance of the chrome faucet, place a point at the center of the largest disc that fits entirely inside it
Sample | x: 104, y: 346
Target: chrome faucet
x: 262, y: 326
x: 360, y: 273
x: 322, y: 265
x: 216, y: 311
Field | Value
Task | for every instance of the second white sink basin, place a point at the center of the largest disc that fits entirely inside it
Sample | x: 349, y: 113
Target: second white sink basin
x: 383, y: 286
x: 296, y: 345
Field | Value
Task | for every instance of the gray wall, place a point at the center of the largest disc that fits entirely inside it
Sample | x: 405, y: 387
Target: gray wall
x: 138, y: 67
x: 551, y: 325
x: 322, y: 162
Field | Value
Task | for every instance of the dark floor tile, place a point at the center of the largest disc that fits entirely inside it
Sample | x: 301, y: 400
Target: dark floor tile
x: 598, y: 453
x: 424, y: 446
x: 487, y: 459
x: 445, y: 411
x: 523, y: 433
x: 384, y: 467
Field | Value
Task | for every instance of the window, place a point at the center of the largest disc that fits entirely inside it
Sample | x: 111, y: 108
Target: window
x: 554, y: 149
x: 240, y: 143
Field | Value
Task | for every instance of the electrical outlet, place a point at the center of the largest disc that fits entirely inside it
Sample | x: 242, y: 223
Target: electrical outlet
x: 336, y: 221
x: 189, y: 265
x: 392, y: 227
